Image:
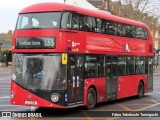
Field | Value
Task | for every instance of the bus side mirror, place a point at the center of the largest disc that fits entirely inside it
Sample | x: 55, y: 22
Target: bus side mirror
x: 64, y: 58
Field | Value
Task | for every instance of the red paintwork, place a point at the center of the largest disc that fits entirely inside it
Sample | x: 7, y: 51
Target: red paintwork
x: 128, y: 85
x: 86, y: 42
x: 51, y: 6
x: 100, y: 84
x: 22, y: 95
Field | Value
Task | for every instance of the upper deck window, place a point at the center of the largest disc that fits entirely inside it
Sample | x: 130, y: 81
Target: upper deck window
x: 75, y: 21
x: 39, y: 20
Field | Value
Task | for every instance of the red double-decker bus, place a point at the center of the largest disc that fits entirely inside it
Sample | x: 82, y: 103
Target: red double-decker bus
x: 65, y: 56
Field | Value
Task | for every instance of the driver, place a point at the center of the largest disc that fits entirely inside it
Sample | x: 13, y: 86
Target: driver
x: 32, y: 69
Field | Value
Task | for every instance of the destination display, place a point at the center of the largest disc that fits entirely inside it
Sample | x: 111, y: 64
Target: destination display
x: 35, y: 43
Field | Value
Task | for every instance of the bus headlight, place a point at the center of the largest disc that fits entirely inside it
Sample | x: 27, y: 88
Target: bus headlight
x: 55, y: 97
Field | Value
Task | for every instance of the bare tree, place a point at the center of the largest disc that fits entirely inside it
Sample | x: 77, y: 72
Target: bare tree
x: 146, y: 11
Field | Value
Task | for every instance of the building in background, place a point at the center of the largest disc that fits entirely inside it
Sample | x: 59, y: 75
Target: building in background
x: 5, y: 47
x: 6, y: 40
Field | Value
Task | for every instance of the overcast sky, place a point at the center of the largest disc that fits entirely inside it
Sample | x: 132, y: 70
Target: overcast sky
x: 9, y: 11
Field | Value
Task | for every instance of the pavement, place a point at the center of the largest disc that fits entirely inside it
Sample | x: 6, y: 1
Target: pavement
x: 156, y: 71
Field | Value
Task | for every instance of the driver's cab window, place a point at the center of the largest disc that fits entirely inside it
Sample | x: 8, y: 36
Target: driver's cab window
x: 24, y: 23
x: 35, y: 22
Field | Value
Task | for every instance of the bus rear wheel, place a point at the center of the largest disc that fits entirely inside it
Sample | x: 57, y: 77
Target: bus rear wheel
x: 140, y: 90
x: 91, y: 98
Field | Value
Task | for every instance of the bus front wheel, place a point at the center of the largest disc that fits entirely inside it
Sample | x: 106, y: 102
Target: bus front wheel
x: 140, y: 90
x: 91, y: 98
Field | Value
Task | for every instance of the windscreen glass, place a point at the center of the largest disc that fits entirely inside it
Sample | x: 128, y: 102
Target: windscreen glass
x: 39, y: 20
x: 40, y: 72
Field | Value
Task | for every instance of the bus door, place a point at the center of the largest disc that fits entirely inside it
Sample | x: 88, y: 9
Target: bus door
x: 75, y: 79
x: 111, y: 77
x: 150, y: 74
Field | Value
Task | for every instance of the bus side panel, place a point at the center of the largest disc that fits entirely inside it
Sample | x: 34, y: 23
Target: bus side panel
x: 73, y: 39
x: 128, y: 85
x: 21, y: 96
x: 99, y: 84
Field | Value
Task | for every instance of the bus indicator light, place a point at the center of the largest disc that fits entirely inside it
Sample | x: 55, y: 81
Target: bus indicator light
x: 13, y: 47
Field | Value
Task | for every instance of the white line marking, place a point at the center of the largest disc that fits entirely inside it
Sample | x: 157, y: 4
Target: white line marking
x: 5, y: 97
x: 33, y: 108
x: 11, y: 105
x: 5, y: 82
x: 5, y: 78
x: 5, y: 100
x: 4, y: 88
x: 156, y: 91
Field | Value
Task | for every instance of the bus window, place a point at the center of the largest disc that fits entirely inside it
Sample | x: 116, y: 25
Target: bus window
x: 120, y: 31
x: 23, y: 22
x: 66, y: 20
x: 145, y: 34
x: 100, y: 25
x: 141, y: 33
x: 35, y: 22
x: 110, y: 28
x: 39, y: 20
x: 140, y: 65
x: 114, y: 65
x: 94, y: 24
x: 90, y: 23
x: 75, y: 21
x: 130, y: 31
x: 122, y: 65
x: 83, y: 23
x: 130, y: 65
x: 101, y: 66
x: 91, y: 66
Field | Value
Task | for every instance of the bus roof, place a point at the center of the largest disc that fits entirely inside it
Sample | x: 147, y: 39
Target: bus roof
x: 52, y: 6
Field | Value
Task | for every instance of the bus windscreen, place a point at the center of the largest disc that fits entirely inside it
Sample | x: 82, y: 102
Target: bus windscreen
x: 40, y: 72
x: 47, y: 20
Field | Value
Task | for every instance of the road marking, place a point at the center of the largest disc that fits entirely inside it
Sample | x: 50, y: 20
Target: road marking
x: 5, y: 97
x: 126, y: 108
x: 157, y: 91
x: 4, y: 88
x: 144, y: 108
x: 11, y: 105
x: 5, y: 82
x: 33, y: 108
x: 4, y: 100
x: 5, y: 78
x: 86, y: 115
x: 32, y: 118
x: 152, y: 101
x: 137, y: 104
x: 105, y: 110
x: 112, y: 118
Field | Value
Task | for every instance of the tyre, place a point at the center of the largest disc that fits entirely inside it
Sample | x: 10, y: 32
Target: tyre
x: 140, y: 90
x: 91, y: 98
